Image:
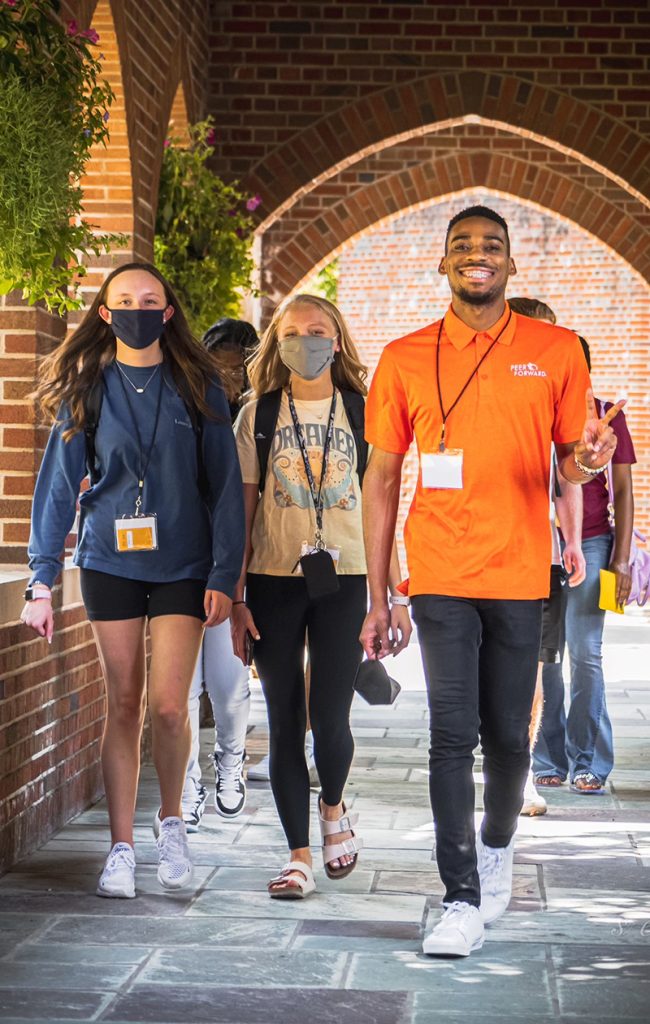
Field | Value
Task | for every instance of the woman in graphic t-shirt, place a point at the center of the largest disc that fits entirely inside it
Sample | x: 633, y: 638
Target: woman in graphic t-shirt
x: 306, y: 358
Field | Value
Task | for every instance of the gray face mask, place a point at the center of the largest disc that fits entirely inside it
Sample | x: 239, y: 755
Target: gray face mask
x: 307, y: 356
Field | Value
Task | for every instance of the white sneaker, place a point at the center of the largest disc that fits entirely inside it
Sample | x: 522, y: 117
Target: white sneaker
x: 458, y: 932
x: 230, y: 792
x: 117, y: 880
x: 495, y: 872
x: 174, y: 865
x: 193, y: 809
x: 534, y: 803
x: 260, y: 772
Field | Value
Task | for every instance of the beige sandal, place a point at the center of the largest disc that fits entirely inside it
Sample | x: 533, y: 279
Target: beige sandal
x: 348, y: 847
x: 280, y: 888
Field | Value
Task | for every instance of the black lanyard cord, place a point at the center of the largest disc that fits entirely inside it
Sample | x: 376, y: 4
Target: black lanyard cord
x: 316, y: 495
x: 144, y: 460
x: 445, y: 415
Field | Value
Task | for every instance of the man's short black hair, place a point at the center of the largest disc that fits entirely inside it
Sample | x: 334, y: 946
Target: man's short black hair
x: 227, y: 333
x: 585, y: 350
x: 478, y: 211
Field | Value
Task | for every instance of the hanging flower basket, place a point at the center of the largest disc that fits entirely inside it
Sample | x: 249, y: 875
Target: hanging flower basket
x: 204, y: 231
x: 53, y: 110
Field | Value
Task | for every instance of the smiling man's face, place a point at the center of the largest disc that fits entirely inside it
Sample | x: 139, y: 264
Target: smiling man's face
x: 477, y: 262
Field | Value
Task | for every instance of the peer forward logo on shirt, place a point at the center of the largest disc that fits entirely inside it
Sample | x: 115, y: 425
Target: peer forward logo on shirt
x: 527, y: 370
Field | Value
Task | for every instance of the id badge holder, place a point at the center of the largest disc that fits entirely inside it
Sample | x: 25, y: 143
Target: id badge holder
x: 310, y: 549
x: 442, y: 469
x: 136, y: 533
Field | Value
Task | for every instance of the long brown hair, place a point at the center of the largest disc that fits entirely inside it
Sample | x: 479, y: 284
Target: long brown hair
x: 69, y: 373
x: 266, y: 371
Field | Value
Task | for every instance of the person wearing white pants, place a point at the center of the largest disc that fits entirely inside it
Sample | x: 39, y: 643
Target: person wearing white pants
x: 227, y: 684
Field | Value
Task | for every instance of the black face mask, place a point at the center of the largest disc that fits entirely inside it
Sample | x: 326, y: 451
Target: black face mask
x: 137, y: 328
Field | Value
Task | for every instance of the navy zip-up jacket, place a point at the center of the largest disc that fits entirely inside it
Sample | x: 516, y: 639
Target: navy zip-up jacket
x: 194, y: 541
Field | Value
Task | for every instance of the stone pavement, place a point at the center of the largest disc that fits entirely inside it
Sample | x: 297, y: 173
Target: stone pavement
x: 575, y: 944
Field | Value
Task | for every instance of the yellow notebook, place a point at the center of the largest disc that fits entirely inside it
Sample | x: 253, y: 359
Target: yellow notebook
x: 608, y: 593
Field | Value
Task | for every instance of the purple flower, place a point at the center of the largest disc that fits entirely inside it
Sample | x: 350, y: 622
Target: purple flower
x: 253, y: 203
x: 232, y: 213
x: 167, y: 143
x: 106, y: 116
x: 91, y: 35
x: 240, y: 233
x: 86, y: 132
x: 72, y: 28
x: 10, y: 3
x: 211, y: 137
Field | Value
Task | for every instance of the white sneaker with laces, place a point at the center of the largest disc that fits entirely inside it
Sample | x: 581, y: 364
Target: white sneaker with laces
x: 230, y: 792
x: 458, y: 933
x: 117, y: 880
x: 193, y: 808
x: 260, y: 772
x: 534, y: 803
x: 495, y: 872
x: 174, y: 865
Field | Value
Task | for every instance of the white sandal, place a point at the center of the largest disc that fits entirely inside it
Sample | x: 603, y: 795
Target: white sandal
x: 296, y: 889
x: 349, y: 847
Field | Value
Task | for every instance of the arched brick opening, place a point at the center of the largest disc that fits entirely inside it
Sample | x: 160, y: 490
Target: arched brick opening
x: 290, y: 254
x: 108, y: 182
x: 412, y: 109
x: 178, y: 119
x: 388, y: 286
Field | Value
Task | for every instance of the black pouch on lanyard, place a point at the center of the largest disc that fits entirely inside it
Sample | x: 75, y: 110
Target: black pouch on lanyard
x: 320, y: 574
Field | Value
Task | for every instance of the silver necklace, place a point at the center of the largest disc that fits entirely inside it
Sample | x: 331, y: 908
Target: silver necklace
x: 141, y: 390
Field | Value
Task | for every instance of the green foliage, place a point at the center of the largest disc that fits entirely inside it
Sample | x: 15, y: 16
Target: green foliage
x: 53, y: 110
x: 326, y: 281
x: 204, y: 232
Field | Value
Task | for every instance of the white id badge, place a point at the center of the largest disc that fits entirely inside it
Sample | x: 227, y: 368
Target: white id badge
x: 308, y: 549
x: 136, y: 533
x: 443, y: 469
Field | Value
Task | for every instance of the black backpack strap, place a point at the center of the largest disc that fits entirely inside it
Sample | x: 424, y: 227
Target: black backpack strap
x: 267, y: 411
x: 92, y: 409
x: 355, y: 410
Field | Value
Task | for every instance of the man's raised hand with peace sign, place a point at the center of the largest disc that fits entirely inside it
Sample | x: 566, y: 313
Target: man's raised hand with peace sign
x: 580, y: 462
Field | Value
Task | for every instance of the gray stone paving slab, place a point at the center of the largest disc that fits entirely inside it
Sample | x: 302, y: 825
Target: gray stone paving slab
x: 103, y: 977
x: 228, y: 968
x: 319, y: 905
x: 29, y: 1004
x: 81, y: 954
x: 260, y: 1006
x: 155, y: 931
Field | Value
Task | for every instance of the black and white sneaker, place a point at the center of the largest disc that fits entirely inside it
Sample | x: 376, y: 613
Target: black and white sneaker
x: 193, y: 809
x: 230, y: 792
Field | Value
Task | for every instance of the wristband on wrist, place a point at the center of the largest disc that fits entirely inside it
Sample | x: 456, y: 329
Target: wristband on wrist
x: 400, y: 599
x: 585, y: 469
x: 38, y: 593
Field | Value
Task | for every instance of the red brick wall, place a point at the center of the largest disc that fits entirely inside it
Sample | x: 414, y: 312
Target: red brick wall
x: 51, y: 710
x: 51, y: 698
x: 389, y: 285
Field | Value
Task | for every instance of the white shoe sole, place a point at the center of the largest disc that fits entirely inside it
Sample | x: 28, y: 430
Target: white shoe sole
x: 179, y: 883
x: 115, y: 894
x: 439, y: 947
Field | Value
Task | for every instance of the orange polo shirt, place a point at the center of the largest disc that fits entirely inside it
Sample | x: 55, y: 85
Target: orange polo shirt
x: 491, y: 538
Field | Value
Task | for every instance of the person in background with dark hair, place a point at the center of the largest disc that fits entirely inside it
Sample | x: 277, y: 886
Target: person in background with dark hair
x: 565, y: 504
x: 154, y: 545
x: 226, y: 680
x: 484, y: 392
x: 580, y: 744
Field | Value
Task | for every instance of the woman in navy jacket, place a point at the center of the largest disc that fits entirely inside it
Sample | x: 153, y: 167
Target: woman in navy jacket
x: 160, y: 535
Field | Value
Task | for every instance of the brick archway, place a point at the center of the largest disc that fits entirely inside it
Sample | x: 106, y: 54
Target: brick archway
x: 414, y: 186
x: 415, y: 108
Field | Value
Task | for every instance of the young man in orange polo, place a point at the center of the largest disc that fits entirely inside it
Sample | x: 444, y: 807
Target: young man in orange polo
x: 484, y: 393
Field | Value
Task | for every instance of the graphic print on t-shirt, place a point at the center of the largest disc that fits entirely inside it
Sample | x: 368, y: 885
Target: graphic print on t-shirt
x: 290, y: 484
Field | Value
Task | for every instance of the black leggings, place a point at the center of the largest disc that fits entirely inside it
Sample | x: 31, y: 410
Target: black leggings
x: 286, y: 619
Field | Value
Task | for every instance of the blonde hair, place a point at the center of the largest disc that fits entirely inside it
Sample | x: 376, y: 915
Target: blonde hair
x: 267, y: 372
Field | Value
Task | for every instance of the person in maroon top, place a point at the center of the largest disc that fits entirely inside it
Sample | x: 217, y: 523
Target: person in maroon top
x: 580, y: 744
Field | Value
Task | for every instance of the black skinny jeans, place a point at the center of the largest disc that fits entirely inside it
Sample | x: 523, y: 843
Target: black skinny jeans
x: 480, y: 662
x: 286, y: 620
